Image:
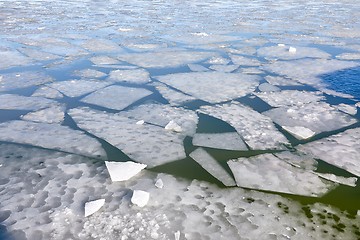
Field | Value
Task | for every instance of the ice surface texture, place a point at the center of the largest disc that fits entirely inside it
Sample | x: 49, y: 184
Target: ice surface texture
x: 227, y: 141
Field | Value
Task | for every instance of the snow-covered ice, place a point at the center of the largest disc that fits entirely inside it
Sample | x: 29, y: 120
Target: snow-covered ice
x: 93, y: 206
x: 227, y: 141
x: 122, y: 171
x: 140, y: 198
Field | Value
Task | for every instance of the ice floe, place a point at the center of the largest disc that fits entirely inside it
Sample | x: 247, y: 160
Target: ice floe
x: 10, y: 81
x: 342, y: 150
x: 174, y: 97
x: 47, y: 92
x: 224, y: 68
x: 12, y: 59
x: 316, y: 116
x: 290, y: 97
x: 17, y: 102
x: 197, y: 68
x: 244, y: 61
x: 52, y: 136
x: 77, y: 88
x: 147, y: 144
x: 213, y: 87
x: 267, y: 172
x: 122, y: 171
x: 298, y: 160
x: 159, y: 183
x: 212, y: 166
x: 350, y: 181
x: 93, y: 206
x: 140, y: 198
x: 349, y: 109
x: 348, y: 56
x: 267, y: 87
x: 257, y: 130
x: 227, y: 141
x: 138, y: 76
x: 299, y: 132
x: 89, y: 73
x: 218, y: 61
x: 38, y: 55
x: 53, y: 114
x: 281, y: 81
x: 104, y: 60
x: 116, y: 97
x: 289, y: 53
x: 101, y: 45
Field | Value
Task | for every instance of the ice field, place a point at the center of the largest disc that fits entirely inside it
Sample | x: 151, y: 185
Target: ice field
x: 174, y: 120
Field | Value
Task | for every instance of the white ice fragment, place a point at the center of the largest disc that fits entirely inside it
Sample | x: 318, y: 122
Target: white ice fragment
x: 76, y: 88
x: 11, y: 81
x: 284, y: 53
x: 122, y: 171
x: 159, y: 183
x: 352, y: 110
x: 137, y: 76
x: 101, y: 45
x: 93, y: 206
x: 17, y: 102
x: 281, y: 81
x: 292, y: 50
x: 140, y: 122
x: 90, y: 73
x: 349, y: 181
x: 174, y: 97
x: 357, y: 104
x: 104, y: 60
x: 244, y: 61
x: 47, y: 92
x: 224, y: 68
x: 266, y: 87
x: 12, y: 59
x: 173, y: 126
x: 197, y: 68
x: 289, y: 97
x: 281, y: 45
x: 177, y: 235
x: 227, y: 141
x: 140, y: 198
x: 299, y: 132
x: 54, y: 114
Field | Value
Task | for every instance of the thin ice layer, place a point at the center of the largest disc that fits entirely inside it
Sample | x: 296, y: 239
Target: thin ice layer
x: 290, y: 97
x: 174, y: 97
x: 227, y: 141
x: 52, y: 136
x: 267, y: 172
x: 10, y: 81
x: 257, y: 130
x: 213, y: 87
x: 288, y: 53
x: 212, y: 166
x: 137, y: 76
x: 148, y: 144
x: 54, y: 114
x: 316, y: 116
x: 17, y: 102
x: 342, y: 150
x: 77, y: 88
x: 116, y: 97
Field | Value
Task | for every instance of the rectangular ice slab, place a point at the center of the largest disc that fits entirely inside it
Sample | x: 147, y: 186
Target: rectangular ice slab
x: 213, y: 87
x: 212, y: 166
x: 116, y: 97
x: 257, y: 130
x: 342, y: 150
x: 148, y: 144
x: 52, y: 136
x: 227, y: 141
x: 267, y: 172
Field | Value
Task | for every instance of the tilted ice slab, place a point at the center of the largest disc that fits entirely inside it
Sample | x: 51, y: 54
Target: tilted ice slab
x: 10, y: 81
x: 267, y: 172
x: 299, y: 160
x: 287, y: 52
x: 47, y: 92
x: 12, y: 59
x: 17, y: 102
x: 116, y: 97
x: 77, y: 88
x: 314, y: 68
x: 290, y: 97
x: 213, y: 87
x: 257, y: 130
x: 267, y: 87
x: 52, y: 136
x: 122, y: 171
x: 227, y: 141
x: 174, y: 97
x: 89, y: 73
x: 342, y: 150
x: 316, y: 116
x: 281, y: 81
x: 148, y: 144
x: 138, y: 76
x: 164, y: 59
x: 212, y: 166
x: 54, y: 114
x: 162, y: 114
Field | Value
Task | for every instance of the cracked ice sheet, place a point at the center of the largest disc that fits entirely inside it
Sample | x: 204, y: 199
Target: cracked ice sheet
x: 89, y: 73
x: 12, y: 59
x: 17, y: 102
x: 257, y: 130
x: 77, y: 88
x: 161, y: 115
x: 175, y: 98
x: 283, y: 53
x: 212, y: 166
x: 52, y: 136
x: 316, y: 116
x: 101, y: 45
x: 55, y: 114
x: 213, y: 87
x: 290, y: 97
x: 267, y: 172
x: 148, y: 144
x: 47, y: 92
x: 342, y: 150
x: 227, y: 141
x: 10, y: 81
x: 164, y: 59
x: 116, y: 97
x: 137, y: 76
x: 38, y: 55
x: 314, y: 68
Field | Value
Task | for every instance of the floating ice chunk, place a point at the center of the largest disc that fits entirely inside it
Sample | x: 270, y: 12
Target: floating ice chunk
x: 89, y: 73
x: 52, y: 136
x: 251, y: 70
x: 38, y: 55
x: 212, y: 87
x: 299, y: 132
x: 141, y: 122
x: 148, y: 144
x: 212, y: 166
x: 281, y: 45
x: 116, y: 97
x: 289, y: 97
x: 159, y: 183
x: 76, y: 88
x: 227, y: 141
x: 53, y: 114
x: 298, y: 160
x: 10, y: 81
x: 317, y: 116
x: 267, y: 172
x: 104, y: 60
x: 292, y: 50
x: 357, y: 104
x: 173, y: 126
x: 122, y: 171
x: 342, y: 150
x: 177, y: 235
x: 336, y: 94
x: 12, y: 59
x: 203, y: 38
x: 257, y: 130
x: 164, y: 59
x: 244, y: 61
x: 349, y: 181
x: 47, y: 92
x: 352, y: 110
x: 348, y: 56
x: 218, y: 60
x: 143, y: 47
x: 197, y: 68
x: 266, y: 87
x: 93, y: 206
x: 280, y: 52
x: 101, y: 45
x: 17, y: 102
x: 138, y: 76
x: 174, y: 97
x: 140, y: 198
x: 224, y: 68
x: 281, y: 81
